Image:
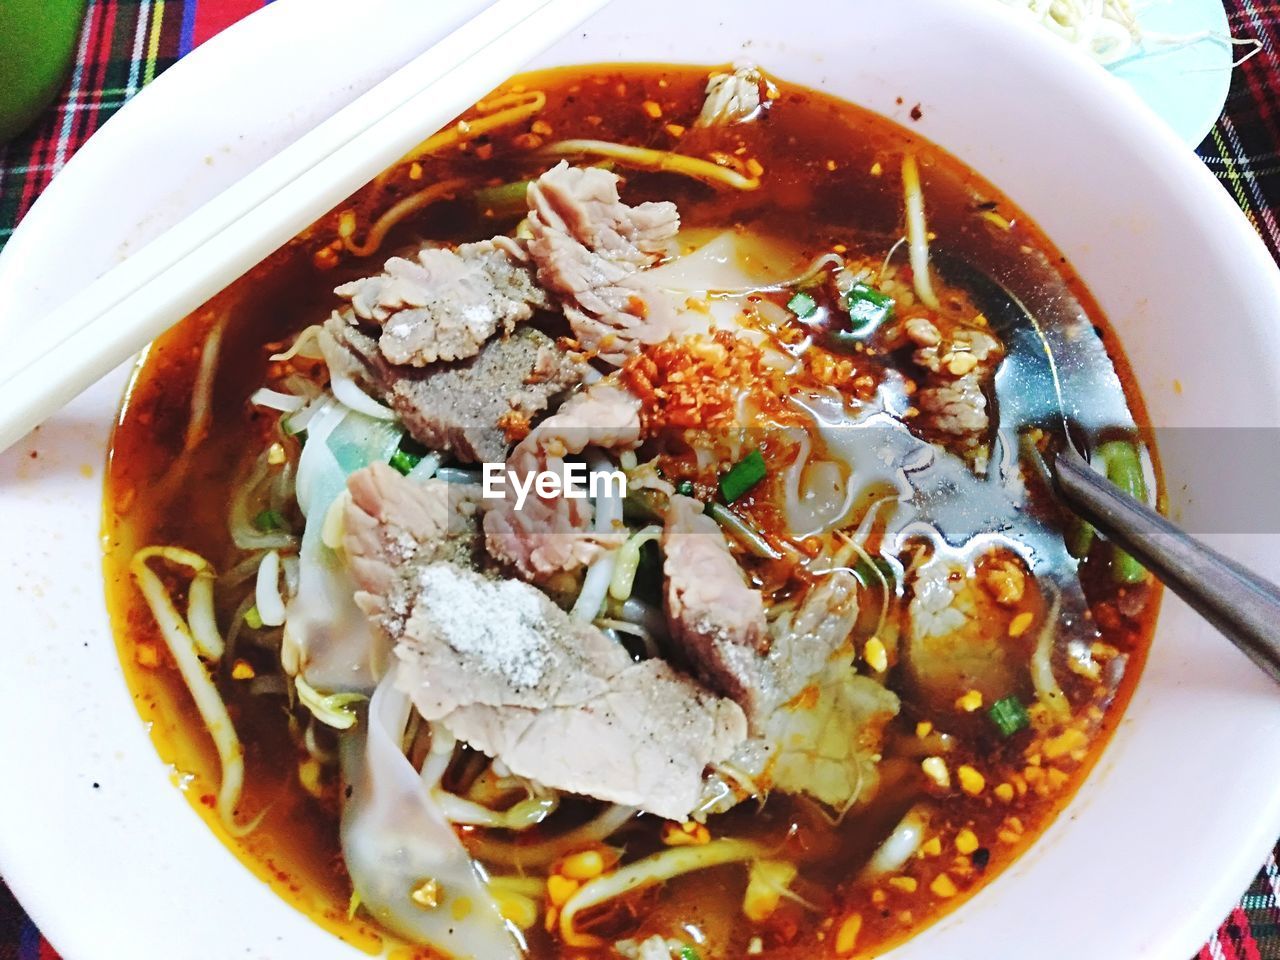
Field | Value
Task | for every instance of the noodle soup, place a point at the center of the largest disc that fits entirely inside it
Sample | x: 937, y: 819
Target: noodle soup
x: 833, y: 661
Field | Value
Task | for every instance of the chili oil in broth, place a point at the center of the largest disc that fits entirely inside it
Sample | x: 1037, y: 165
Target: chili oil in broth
x: 830, y: 180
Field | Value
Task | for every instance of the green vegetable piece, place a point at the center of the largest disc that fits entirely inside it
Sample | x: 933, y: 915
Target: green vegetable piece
x: 1080, y: 534
x: 504, y: 200
x: 404, y: 461
x: 253, y: 619
x: 269, y: 520
x: 1009, y: 715
x: 868, y: 309
x: 685, y: 488
x: 1123, y: 465
x: 688, y: 953
x: 742, y: 476
x: 802, y: 305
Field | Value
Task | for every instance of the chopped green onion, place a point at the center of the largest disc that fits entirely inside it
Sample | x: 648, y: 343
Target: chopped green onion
x: 408, y: 455
x: 742, y: 476
x: 802, y: 305
x: 868, y: 309
x: 253, y: 619
x: 688, y: 953
x: 685, y: 488
x: 404, y: 461
x: 269, y: 520
x: 1009, y: 715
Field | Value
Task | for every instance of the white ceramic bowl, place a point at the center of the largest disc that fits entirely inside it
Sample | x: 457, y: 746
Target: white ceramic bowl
x: 107, y: 855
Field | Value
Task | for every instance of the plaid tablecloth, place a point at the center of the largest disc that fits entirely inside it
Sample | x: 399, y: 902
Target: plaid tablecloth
x: 127, y: 43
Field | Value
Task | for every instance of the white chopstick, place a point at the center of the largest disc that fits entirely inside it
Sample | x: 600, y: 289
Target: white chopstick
x: 118, y: 314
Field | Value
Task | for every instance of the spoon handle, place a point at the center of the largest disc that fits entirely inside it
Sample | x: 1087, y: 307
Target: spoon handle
x: 1242, y: 605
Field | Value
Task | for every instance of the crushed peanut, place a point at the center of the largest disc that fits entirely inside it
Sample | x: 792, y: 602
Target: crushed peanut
x: 971, y: 781
x: 931, y: 847
x: 1005, y: 792
x: 1069, y: 741
x: 970, y: 702
x: 652, y: 109
x: 905, y: 884
x: 923, y: 729
x: 1019, y: 624
x: 687, y: 834
x: 426, y: 894
x: 1005, y: 581
x: 875, y: 654
x: 847, y: 935
x: 967, y: 841
x: 943, y: 886
x: 243, y: 670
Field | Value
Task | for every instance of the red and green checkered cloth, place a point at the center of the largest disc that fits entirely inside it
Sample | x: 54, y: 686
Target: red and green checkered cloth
x: 127, y: 43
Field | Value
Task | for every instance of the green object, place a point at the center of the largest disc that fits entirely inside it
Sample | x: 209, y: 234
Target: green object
x: 868, y: 309
x: 685, y: 488
x: 1009, y: 715
x: 269, y: 520
x: 37, y: 45
x: 688, y: 953
x: 742, y: 476
x: 742, y: 531
x: 1124, y: 469
x: 253, y: 619
x: 1079, y: 538
x: 505, y: 200
x: 404, y: 461
x: 802, y: 305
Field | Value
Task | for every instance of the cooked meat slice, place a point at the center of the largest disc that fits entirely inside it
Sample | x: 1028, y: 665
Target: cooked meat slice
x: 589, y: 247
x: 392, y: 523
x: 715, y: 618
x: 511, y: 674
x: 732, y: 97
x: 817, y: 726
x: 718, y: 621
x: 959, y: 364
x: 448, y: 302
x: 804, y: 643
x: 958, y: 636
x: 462, y: 407
x: 552, y: 535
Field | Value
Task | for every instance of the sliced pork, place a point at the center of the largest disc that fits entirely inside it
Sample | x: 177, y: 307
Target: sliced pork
x: 445, y: 303
x: 716, y: 620
x: 511, y: 674
x: 393, y: 523
x: 468, y: 408
x: 589, y: 248
x: 551, y: 535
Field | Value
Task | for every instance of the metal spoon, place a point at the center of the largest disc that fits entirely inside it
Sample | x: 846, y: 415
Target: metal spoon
x: 1030, y: 390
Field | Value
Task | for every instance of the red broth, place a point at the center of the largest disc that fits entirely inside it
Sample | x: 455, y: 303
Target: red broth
x: 830, y: 179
